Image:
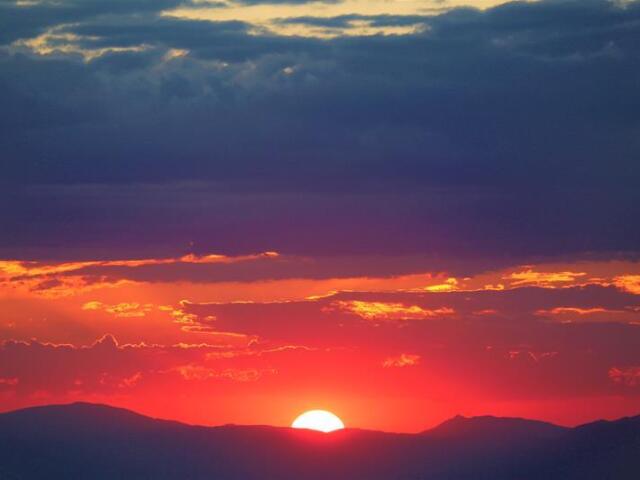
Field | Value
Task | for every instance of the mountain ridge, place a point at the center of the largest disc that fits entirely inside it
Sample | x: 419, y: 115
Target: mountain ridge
x: 80, y: 405
x: 84, y: 440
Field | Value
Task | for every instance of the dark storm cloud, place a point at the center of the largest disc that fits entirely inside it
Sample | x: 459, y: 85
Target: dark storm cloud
x: 25, y: 20
x: 446, y: 139
x: 28, y: 20
x: 284, y: 2
x: 229, y: 41
x: 499, y: 96
x: 343, y: 21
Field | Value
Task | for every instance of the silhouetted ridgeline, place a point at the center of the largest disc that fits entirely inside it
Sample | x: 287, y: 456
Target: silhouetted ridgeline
x: 85, y: 441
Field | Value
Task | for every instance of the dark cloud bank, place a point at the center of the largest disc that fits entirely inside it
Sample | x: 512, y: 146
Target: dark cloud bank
x: 511, y: 131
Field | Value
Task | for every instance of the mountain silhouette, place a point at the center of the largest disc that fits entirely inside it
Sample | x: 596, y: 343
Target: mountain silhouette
x: 88, y: 441
x: 495, y: 427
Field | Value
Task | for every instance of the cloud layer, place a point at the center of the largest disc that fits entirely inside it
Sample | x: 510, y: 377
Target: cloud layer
x: 512, y: 128
x: 525, y: 340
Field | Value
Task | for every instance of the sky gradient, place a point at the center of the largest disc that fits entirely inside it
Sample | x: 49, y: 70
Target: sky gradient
x: 232, y: 212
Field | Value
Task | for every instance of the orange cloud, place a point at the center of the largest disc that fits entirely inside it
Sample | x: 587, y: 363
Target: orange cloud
x: 528, y: 354
x: 449, y: 285
x: 69, y: 278
x: 542, y: 279
x: 402, y: 360
x: 124, y: 309
x: 54, y: 287
x: 14, y: 268
x: 200, y: 373
x: 576, y: 310
x: 485, y: 311
x: 629, y: 283
x: 108, y: 380
x: 391, y: 310
x: 248, y: 352
x: 270, y: 276
x: 191, y: 322
x: 626, y: 314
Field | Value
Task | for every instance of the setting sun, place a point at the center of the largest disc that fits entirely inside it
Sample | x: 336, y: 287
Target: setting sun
x: 319, y: 420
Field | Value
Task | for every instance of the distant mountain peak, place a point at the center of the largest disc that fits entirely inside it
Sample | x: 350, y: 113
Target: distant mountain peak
x: 84, y: 440
x: 491, y: 426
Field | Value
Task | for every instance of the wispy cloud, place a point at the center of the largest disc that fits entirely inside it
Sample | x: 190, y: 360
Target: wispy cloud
x: 392, y: 311
x: 402, y: 360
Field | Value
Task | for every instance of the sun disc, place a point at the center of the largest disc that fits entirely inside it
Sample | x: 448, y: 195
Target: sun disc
x: 319, y: 420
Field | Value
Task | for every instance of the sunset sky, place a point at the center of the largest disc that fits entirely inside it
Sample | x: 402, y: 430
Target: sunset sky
x: 226, y: 211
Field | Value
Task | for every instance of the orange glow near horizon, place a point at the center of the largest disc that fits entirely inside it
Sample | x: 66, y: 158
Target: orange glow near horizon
x: 245, y: 339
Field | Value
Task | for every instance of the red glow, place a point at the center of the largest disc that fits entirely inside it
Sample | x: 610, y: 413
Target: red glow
x: 395, y: 352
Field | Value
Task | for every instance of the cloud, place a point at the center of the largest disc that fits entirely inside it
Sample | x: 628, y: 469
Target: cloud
x: 531, y: 277
x: 528, y: 355
x: 629, y: 314
x: 394, y: 123
x: 299, y: 348
x: 391, y: 311
x: 124, y: 309
x: 630, y: 283
x: 513, y: 351
x: 59, y: 279
x: 292, y: 2
x: 27, y: 19
x: 577, y: 310
x: 107, y: 367
x: 8, y: 381
x: 348, y: 25
x: 402, y: 360
x: 346, y: 318
x: 628, y: 376
x: 200, y: 373
x: 273, y: 276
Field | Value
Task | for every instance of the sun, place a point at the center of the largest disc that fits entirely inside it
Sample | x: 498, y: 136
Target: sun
x: 320, y: 420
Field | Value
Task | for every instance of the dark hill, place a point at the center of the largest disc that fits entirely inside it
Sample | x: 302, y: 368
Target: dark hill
x: 86, y: 441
